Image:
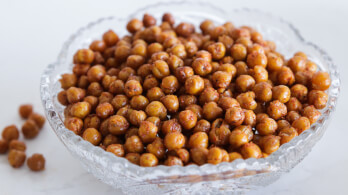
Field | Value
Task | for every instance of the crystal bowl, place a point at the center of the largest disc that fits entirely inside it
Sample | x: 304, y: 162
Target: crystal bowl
x: 235, y: 177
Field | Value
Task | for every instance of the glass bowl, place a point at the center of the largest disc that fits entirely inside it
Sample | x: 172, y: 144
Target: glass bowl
x: 235, y: 177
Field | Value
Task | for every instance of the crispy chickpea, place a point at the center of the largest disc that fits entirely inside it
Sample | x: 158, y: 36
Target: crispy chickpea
x: 274, y: 62
x: 10, y: 133
x: 110, y: 38
x: 214, y: 156
x: 202, y: 126
x: 227, y: 67
x: 134, y: 25
x: 281, y: 93
x: 144, y: 70
x: 135, y: 61
x: 311, y: 113
x: 246, y: 100
x: 251, y: 150
x: 134, y: 144
x: 125, y: 73
x: 294, y: 105
x: 29, y: 129
x: 95, y: 89
x: 228, y: 102
x: 185, y: 29
x: 116, y: 87
x: 219, y: 133
x: 157, y: 109
x: 170, y: 84
x: 136, y: 117
x: 201, y: 66
x: 133, y: 88
x: 234, y: 156
x: 3, y: 146
x: 199, y: 155
x: 191, y: 48
x: 263, y: 92
x: 80, y: 109
x: 110, y: 139
x: 96, y: 73
x: 122, y: 52
x: 160, y: 69
x: 16, y: 158
x: 186, y: 100
x: 178, y: 50
x: 227, y: 41
x: 98, y: 45
x: 198, y: 139
x: 259, y: 73
x: 221, y: 79
x: 206, y: 26
x: 104, y: 110
x: 174, y: 140
x: 99, y: 58
x: 92, y: 135
x: 138, y: 102
x: 250, y: 118
x: 187, y: 119
x: 287, y: 134
x: 209, y: 94
x: 301, y: 124
x: 118, y: 125
x: 212, y: 111
x: 149, y: 20
x: 104, y: 129
x: 147, y: 131
x: 255, y: 58
x: 17, y: 145
x: 167, y: 17
x: 84, y: 56
x: 173, y: 160
x: 269, y: 143
x: 196, y: 109
x: 133, y: 158
x: 285, y: 76
x: 155, y: 94
x: 194, y: 85
x: 116, y: 149
x: 183, y: 72
x: 83, y: 82
x: 299, y: 91
x: 175, y: 62
x: 245, y: 83
x: 157, y: 148
x: 217, y: 50
x: 74, y: 124
x: 318, y: 99
x: 171, y: 102
x: 260, y: 117
x: 148, y: 160
x: 241, y: 67
x: 25, y: 110
x: 311, y: 67
x: 276, y: 110
x: 304, y: 78
x: 139, y: 49
x: 154, y: 48
x: 292, y: 116
x: 297, y: 63
x: 119, y: 101
x: 68, y: 80
x: 63, y: 98
x: 283, y: 124
x: 238, y: 138
x: 238, y: 52
x: 107, y: 80
x: 267, y: 126
x: 234, y: 116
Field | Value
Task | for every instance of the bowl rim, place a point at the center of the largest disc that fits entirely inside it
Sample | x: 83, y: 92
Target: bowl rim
x: 235, y: 165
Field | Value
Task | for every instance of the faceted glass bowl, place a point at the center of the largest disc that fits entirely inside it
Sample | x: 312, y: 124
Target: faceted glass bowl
x: 237, y: 176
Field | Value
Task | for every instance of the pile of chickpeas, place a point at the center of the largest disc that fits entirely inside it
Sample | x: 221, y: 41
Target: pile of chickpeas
x: 30, y: 129
x: 168, y: 95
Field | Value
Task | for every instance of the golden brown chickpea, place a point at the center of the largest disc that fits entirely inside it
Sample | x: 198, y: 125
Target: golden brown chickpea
x: 16, y: 158
x: 134, y: 25
x: 110, y: 139
x: 301, y: 124
x: 202, y: 126
x: 241, y: 67
x: 281, y: 93
x: 63, y: 98
x: 148, y: 160
x: 17, y: 145
x: 154, y: 94
x: 196, y: 109
x: 133, y: 88
x: 234, y: 116
x: 116, y: 149
x: 3, y: 146
x: 251, y: 150
x: 160, y: 69
x: 238, y: 138
x: 259, y: 73
x: 318, y: 99
x: 246, y: 100
x: 228, y: 102
x: 227, y: 67
x: 255, y: 58
x: 116, y: 87
x: 300, y: 92
x: 263, y: 92
x: 260, y: 117
x: 154, y: 48
x: 301, y: 54
x: 92, y: 121
x: 285, y: 76
x: 167, y: 17
x: 74, y: 124
x: 25, y: 110
x: 68, y: 80
x: 183, y: 72
x: 104, y: 129
x: 174, y: 140
x: 206, y: 26
x: 221, y: 79
x: 283, y: 124
x: 95, y: 89
x: 274, y: 62
x: 175, y: 62
x: 209, y: 94
x: 133, y: 158
x: 227, y: 41
x: 178, y: 50
x: 84, y: 56
x: 198, y: 139
x: 110, y: 38
x: 191, y: 48
x: 134, y: 145
x: 107, y: 80
x: 160, y: 56
x: 80, y: 109
x: 98, y: 57
x: 144, y: 70
x: 304, y: 78
x: 311, y: 113
x: 173, y: 160
x: 136, y: 117
x: 294, y: 105
x: 199, y: 155
x: 250, y: 118
x: 10, y: 133
x: 220, y: 132
x: 96, y: 73
x: 269, y: 143
x: 267, y: 126
x: 187, y: 119
x: 118, y: 125
x: 139, y: 49
x: 212, y: 111
x: 245, y: 83
x: 147, y: 131
x: 214, y: 156
x: 240, y: 32
x: 276, y: 110
x: 292, y: 116
x: 119, y: 101
x: 185, y: 29
x: 157, y: 109
x: 104, y: 110
x: 135, y: 61
x: 149, y: 20
x: 297, y: 63
x: 234, y: 156
x: 287, y: 134
x: 169, y: 84
x: 238, y: 52
x: 217, y: 50
x: 171, y: 102
x: 201, y: 66
x: 217, y: 32
x: 98, y: 45
x: 92, y: 135
x: 30, y: 129
x: 311, y: 67
x: 186, y: 100
x: 194, y: 85
x: 157, y: 148
x: 138, y: 102
x: 75, y: 94
x: 125, y: 73
x: 122, y: 51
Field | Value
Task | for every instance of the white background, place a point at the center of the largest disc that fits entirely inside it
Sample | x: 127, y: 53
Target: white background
x: 32, y: 33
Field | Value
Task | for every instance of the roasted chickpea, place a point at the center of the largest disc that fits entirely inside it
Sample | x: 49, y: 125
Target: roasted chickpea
x: 134, y: 144
x: 283, y: 124
x: 133, y: 158
x: 148, y: 160
x: 118, y: 125
x: 281, y: 93
x: 206, y: 26
x: 246, y: 100
x: 201, y: 66
x: 157, y: 148
x: 110, y: 139
x: 270, y: 143
x: 171, y: 102
x: 167, y: 17
x: 292, y: 116
x: 174, y: 140
x: 267, y: 126
x: 185, y: 29
x: 238, y: 138
x: 228, y: 102
x: 301, y: 124
x: 187, y: 119
x: 96, y: 73
x: 133, y: 88
x: 80, y: 109
x: 255, y: 58
x: 311, y: 113
x: 212, y: 111
x: 3, y: 146
x: 234, y: 116
x: 83, y: 82
x: 92, y: 135
x: 202, y: 126
x: 285, y: 76
x: 274, y: 62
x: 238, y: 52
x: 183, y: 72
x: 194, y: 85
x: 84, y: 56
x: 110, y: 38
x: 95, y: 89
x: 196, y: 109
x: 300, y: 92
x: 221, y: 79
x: 116, y: 87
x: 170, y: 84
x: 263, y: 92
x: 119, y: 101
x: 297, y: 63
x: 245, y: 83
x: 136, y: 117
x: 134, y: 25
x: 234, y: 156
x: 304, y: 78
x: 104, y: 110
x: 155, y: 94
x: 160, y: 69
x: 17, y: 145
x: 250, y: 118
x: 173, y: 160
x: 287, y: 134
x: 219, y: 133
x: 25, y: 110
x: 68, y: 80
x: 241, y: 67
x: 311, y: 67
x: 259, y: 73
x: 30, y: 129
x: 186, y: 100
x: 318, y: 99
x: 199, y: 155
x: 16, y: 158
x: 215, y: 155
x: 276, y: 110
x: 147, y: 131
x: 74, y: 124
x: 116, y: 149
x: 217, y: 50
x: 251, y: 150
x: 157, y: 109
x: 98, y: 46
x: 10, y: 133
x: 209, y: 94
x: 198, y: 139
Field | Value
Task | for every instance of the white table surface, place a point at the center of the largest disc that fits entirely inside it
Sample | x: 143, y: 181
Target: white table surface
x: 32, y: 33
